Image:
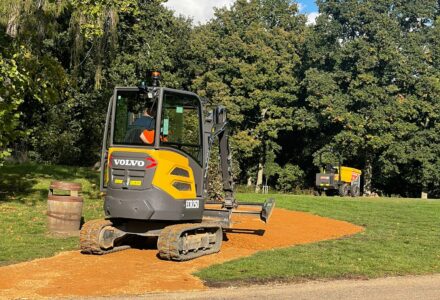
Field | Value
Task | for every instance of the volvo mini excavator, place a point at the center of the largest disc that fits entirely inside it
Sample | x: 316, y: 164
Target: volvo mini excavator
x: 154, y: 167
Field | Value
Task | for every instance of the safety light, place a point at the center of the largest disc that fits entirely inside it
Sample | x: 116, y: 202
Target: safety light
x: 156, y: 76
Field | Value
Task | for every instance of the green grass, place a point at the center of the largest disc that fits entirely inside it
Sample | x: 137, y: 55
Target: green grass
x: 23, y: 204
x: 401, y: 237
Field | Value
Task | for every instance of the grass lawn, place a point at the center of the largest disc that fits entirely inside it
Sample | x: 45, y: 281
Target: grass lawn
x: 401, y: 237
x: 23, y: 204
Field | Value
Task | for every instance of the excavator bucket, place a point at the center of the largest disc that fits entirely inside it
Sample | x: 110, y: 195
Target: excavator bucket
x: 223, y: 215
x: 266, y: 210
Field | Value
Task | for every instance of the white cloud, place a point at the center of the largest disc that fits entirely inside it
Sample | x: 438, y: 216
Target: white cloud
x: 199, y: 10
x: 311, y: 18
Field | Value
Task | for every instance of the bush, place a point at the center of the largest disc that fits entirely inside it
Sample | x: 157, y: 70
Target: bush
x: 290, y: 177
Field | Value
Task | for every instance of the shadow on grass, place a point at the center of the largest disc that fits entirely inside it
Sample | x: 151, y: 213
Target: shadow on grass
x: 14, y: 187
x: 29, y: 183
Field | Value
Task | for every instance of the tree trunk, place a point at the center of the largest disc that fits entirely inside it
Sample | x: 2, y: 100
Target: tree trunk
x: 368, y: 171
x: 424, y: 193
x: 77, y: 49
x: 98, y: 64
x: 98, y: 77
x: 262, y: 159
x: 12, y: 26
x: 259, y: 176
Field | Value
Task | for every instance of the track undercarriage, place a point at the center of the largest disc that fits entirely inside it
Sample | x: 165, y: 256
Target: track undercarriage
x: 188, y: 241
x: 179, y: 242
x: 175, y: 241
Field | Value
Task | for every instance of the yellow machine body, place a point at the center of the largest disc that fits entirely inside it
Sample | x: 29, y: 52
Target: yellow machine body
x: 163, y: 179
x: 348, y: 174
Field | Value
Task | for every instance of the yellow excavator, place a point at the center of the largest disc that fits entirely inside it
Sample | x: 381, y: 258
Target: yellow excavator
x: 154, y: 174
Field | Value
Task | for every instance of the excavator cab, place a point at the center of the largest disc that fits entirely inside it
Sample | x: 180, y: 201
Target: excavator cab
x: 155, y: 157
x: 160, y: 179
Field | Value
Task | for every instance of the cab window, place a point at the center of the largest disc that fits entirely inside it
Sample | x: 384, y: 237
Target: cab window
x: 180, y: 125
x: 134, y: 115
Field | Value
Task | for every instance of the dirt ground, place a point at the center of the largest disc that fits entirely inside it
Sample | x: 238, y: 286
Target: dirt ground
x: 134, y: 272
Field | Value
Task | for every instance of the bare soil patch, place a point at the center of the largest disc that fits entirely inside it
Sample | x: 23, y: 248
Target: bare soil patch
x: 134, y: 272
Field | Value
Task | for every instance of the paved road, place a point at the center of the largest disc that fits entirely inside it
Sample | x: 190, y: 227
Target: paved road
x: 392, y: 288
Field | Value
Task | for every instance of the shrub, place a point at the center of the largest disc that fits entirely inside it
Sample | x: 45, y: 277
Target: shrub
x: 290, y: 177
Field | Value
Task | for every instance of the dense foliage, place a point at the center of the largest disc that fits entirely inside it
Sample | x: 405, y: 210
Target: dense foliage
x: 365, y: 81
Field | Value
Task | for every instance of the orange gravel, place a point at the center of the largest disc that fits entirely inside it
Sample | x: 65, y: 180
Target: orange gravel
x: 140, y: 271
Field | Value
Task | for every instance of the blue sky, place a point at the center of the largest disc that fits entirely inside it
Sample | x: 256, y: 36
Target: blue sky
x: 202, y: 10
x: 308, y: 6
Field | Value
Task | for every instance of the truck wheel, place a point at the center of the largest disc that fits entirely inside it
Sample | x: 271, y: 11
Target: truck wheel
x: 355, y: 191
x: 344, y: 190
x: 329, y: 193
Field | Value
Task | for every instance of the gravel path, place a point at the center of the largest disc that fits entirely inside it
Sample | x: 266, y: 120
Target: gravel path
x: 134, y: 272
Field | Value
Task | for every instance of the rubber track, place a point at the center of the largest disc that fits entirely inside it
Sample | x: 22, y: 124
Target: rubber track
x: 168, y: 242
x: 89, y: 238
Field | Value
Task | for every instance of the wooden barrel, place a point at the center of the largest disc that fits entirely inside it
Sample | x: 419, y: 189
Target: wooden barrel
x: 64, y: 208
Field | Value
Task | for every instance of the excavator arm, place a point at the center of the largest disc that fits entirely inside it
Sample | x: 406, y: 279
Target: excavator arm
x: 216, y: 127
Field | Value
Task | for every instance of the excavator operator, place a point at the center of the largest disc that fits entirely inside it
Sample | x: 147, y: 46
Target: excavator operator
x: 148, y: 122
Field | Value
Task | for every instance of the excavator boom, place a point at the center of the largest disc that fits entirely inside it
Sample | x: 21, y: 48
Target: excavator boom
x: 217, y: 126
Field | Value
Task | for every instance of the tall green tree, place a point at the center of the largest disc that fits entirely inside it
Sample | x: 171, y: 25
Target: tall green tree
x: 26, y: 39
x: 246, y: 58
x: 13, y: 82
x: 366, y: 64
x: 416, y: 158
x: 78, y: 50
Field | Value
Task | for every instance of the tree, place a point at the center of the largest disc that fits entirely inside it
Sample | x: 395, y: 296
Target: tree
x: 290, y: 177
x: 77, y: 51
x: 416, y: 158
x: 365, y: 64
x: 246, y: 58
x: 13, y: 81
